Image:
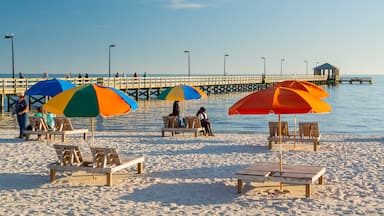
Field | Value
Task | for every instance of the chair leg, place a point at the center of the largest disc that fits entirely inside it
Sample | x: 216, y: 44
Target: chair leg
x: 139, y: 168
x: 308, y: 190
x: 321, y: 180
x: 109, y: 179
x: 52, y: 175
x: 239, y: 186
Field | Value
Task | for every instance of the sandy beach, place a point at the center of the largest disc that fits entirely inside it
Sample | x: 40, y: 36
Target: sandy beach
x: 184, y: 175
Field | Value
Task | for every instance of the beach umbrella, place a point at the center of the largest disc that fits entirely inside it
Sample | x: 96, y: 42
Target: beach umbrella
x: 309, y: 87
x: 50, y: 87
x: 181, y: 93
x: 279, y: 100
x: 91, y: 100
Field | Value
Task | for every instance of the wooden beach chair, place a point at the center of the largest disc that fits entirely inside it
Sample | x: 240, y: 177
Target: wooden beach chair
x: 309, y: 132
x: 192, y: 124
x: 274, y: 132
x: 108, y: 161
x: 105, y: 161
x: 38, y: 127
x: 291, y: 174
x: 65, y: 128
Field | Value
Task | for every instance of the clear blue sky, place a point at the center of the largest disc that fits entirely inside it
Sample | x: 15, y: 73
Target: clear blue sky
x: 60, y: 36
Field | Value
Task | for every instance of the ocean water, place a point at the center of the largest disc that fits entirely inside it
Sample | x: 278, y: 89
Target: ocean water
x: 356, y: 109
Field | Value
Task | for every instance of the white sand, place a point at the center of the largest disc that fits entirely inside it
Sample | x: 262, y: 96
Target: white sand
x: 192, y: 176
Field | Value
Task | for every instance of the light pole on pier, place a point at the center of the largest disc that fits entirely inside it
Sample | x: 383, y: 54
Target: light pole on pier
x: 225, y: 63
x: 189, y: 62
x: 264, y: 64
x: 306, y: 67
x: 281, y: 67
x: 11, y: 36
x: 109, y: 65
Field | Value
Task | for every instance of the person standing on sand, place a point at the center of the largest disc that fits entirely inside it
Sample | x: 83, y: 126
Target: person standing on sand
x: 21, y: 112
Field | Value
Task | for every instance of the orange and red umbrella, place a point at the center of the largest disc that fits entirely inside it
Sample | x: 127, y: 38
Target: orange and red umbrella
x: 279, y: 100
x: 309, y: 87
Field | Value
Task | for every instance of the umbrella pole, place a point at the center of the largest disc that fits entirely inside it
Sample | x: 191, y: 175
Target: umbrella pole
x: 92, y: 132
x: 281, y: 152
x: 294, y: 132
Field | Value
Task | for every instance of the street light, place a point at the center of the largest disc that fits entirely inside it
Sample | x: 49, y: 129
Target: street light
x: 110, y: 46
x: 281, y: 67
x: 189, y: 62
x: 224, y: 63
x: 264, y: 63
x: 11, y: 36
x: 306, y: 67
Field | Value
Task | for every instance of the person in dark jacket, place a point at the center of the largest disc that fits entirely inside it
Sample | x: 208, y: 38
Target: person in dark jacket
x: 21, y: 112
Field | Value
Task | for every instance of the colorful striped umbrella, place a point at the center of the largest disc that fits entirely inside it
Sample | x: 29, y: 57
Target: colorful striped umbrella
x: 49, y: 87
x: 90, y: 101
x: 181, y: 93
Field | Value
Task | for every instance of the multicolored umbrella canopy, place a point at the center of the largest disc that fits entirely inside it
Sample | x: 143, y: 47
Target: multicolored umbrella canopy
x: 182, y: 92
x: 279, y: 100
x: 90, y: 101
x: 309, y: 87
x: 49, y: 87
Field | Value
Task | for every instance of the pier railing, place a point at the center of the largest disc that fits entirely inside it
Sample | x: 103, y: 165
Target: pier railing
x: 14, y: 86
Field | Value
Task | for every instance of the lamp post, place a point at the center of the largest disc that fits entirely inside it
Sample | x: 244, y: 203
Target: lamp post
x: 281, y: 67
x: 109, y: 65
x: 225, y: 63
x: 306, y: 67
x: 264, y: 64
x: 189, y: 62
x: 11, y: 36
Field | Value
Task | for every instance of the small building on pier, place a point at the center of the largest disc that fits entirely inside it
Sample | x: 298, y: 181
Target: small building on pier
x: 328, y: 70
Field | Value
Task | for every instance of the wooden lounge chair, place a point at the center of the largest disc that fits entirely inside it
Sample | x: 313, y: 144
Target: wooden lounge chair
x: 291, y: 174
x: 274, y: 132
x: 39, y: 127
x: 309, y: 132
x: 192, y: 124
x: 105, y: 161
x: 66, y: 128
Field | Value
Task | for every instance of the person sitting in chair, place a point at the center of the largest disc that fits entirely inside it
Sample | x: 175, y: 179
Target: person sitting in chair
x: 202, y: 114
x: 176, y: 112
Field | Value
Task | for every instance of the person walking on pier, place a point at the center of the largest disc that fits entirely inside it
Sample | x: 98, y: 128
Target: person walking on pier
x: 21, y: 112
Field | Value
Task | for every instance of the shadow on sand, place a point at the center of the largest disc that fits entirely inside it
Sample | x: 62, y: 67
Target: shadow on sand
x: 185, y: 194
x: 21, y: 181
x: 217, y: 149
x: 196, y: 173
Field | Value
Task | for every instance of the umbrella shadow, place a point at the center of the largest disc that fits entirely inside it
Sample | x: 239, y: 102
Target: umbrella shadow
x: 184, y: 194
x: 217, y: 149
x: 11, y: 140
x: 21, y: 181
x: 365, y: 139
x: 196, y: 173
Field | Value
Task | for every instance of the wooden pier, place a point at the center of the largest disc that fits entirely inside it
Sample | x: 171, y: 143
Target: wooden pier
x: 352, y: 80
x: 150, y: 87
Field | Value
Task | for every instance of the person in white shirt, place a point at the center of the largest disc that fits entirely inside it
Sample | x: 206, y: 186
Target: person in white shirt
x: 202, y: 114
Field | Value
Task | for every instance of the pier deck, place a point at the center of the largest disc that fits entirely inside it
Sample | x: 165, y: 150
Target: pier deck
x: 150, y: 87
